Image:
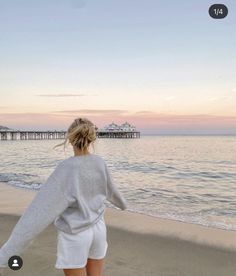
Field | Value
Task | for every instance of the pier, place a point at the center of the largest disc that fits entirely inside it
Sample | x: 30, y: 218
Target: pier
x: 31, y: 135
x: 111, y: 131
x: 118, y: 134
x: 50, y: 135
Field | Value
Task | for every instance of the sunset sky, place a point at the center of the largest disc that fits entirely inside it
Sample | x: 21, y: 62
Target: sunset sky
x: 166, y: 67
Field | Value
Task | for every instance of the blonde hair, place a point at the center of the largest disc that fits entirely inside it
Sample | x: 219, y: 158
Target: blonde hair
x: 80, y: 134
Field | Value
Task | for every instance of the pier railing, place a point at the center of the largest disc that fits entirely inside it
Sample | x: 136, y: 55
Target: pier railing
x: 118, y: 134
x: 48, y: 135
x: 31, y: 135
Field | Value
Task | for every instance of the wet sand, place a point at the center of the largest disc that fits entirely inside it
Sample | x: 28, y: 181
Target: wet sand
x: 138, y: 244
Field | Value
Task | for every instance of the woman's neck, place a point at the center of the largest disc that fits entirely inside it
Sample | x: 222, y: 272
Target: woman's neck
x: 80, y: 152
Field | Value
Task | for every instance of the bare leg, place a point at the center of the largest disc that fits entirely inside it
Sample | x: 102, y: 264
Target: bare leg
x: 75, y: 272
x: 95, y: 267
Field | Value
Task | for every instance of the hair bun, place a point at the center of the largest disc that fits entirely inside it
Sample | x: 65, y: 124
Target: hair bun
x: 80, y: 133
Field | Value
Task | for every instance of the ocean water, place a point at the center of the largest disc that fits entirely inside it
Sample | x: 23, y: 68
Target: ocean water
x: 185, y: 178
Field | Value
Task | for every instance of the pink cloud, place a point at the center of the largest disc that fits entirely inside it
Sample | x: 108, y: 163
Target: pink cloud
x: 145, y: 121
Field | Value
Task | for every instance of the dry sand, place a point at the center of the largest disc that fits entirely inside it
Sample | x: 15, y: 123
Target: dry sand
x: 138, y: 244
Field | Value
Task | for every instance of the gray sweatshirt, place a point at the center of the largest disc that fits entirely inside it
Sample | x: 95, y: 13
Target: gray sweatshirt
x: 72, y: 197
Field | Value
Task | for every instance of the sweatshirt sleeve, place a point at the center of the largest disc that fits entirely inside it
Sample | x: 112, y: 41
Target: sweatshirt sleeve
x: 49, y: 202
x: 113, y: 194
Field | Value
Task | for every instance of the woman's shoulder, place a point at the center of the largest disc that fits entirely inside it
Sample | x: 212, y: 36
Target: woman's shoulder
x: 73, y: 159
x: 99, y: 157
x: 69, y: 166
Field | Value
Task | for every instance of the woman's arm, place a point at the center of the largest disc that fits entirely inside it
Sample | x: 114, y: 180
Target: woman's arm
x: 49, y: 202
x: 113, y: 194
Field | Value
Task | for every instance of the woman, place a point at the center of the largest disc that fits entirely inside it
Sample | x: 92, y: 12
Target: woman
x: 73, y: 198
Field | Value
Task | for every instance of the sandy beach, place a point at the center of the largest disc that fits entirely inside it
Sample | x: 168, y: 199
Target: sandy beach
x: 137, y: 244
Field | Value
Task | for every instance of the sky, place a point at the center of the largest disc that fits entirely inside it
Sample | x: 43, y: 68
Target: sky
x: 166, y: 67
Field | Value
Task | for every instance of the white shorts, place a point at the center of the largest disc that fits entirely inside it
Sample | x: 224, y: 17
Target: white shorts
x: 73, y: 250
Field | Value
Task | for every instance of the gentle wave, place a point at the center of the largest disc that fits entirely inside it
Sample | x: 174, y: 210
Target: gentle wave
x: 16, y: 179
x: 189, y: 179
x: 198, y: 217
x: 192, y: 220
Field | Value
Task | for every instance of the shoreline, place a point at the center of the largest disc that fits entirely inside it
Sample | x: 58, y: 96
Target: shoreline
x: 138, y: 245
x: 135, y: 212
x: 14, y: 200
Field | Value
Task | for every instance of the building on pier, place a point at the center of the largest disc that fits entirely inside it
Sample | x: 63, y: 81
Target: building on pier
x: 113, y: 130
